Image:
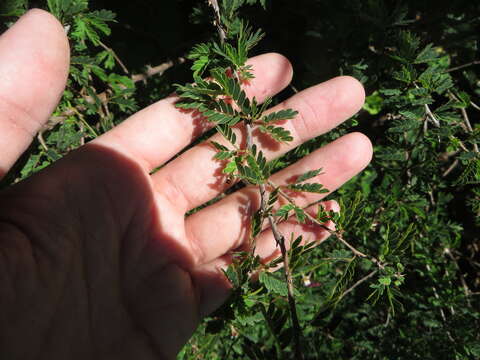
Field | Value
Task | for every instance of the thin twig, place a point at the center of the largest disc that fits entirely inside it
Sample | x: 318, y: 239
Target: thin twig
x: 86, y: 124
x: 474, y: 105
x: 362, y: 280
x: 469, y: 126
x: 280, y: 240
x: 297, y: 330
x: 431, y: 116
x: 462, y: 146
x: 323, y: 226
x: 336, y: 233
x: 218, y: 20
x: 122, y: 65
x: 450, y: 168
x: 156, y: 70
x: 388, y: 319
x: 41, y: 140
x: 442, y: 313
x: 466, y: 289
x: 151, y: 71
x: 466, y: 120
x: 476, y: 62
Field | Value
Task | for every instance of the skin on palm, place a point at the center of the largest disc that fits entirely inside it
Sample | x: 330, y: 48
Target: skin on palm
x: 98, y: 259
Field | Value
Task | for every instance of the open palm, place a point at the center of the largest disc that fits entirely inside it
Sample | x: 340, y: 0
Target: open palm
x: 97, y: 258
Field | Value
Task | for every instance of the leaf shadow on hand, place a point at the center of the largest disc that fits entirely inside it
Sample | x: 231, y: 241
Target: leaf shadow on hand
x: 265, y: 141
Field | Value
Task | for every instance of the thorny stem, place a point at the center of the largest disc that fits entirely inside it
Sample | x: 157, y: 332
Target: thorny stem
x: 218, y: 22
x: 280, y: 240
x: 41, y: 140
x: 157, y: 70
x: 297, y: 330
x: 338, y: 234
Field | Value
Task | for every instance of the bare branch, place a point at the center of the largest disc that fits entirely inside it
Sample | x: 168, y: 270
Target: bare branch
x: 432, y: 117
x: 466, y: 120
x: 429, y: 115
x: 466, y: 289
x: 359, y: 282
x: 41, y: 140
x: 450, y: 168
x: 475, y: 106
x: 476, y: 62
x: 469, y: 126
x: 157, y: 70
x: 218, y: 21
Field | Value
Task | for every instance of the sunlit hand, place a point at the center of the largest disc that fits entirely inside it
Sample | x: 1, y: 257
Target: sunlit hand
x: 97, y: 258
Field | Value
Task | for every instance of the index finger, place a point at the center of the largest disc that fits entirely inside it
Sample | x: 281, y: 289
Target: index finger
x: 34, y: 58
x: 157, y: 133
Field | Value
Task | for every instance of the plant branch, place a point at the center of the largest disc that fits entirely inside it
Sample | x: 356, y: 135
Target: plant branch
x: 466, y: 120
x: 41, y: 140
x: 442, y: 313
x: 430, y: 115
x: 338, y: 234
x: 466, y: 289
x: 218, y: 20
x: 362, y: 280
x: 469, y: 126
x: 151, y: 71
x: 297, y: 331
x: 450, y: 168
x: 280, y: 240
x: 476, y: 62
x: 120, y: 62
x: 157, y: 70
x: 475, y: 106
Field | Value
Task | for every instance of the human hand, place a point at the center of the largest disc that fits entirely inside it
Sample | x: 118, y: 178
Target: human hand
x: 97, y: 257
